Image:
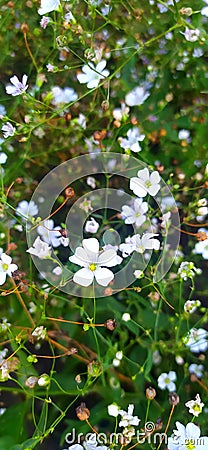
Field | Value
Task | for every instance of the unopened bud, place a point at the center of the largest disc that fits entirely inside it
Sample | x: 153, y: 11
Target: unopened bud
x: 201, y: 236
x: 99, y: 135
x: 110, y: 324
x: 94, y: 369
x: 82, y: 412
x: 69, y: 192
x: 24, y: 28
x: 105, y: 105
x: 150, y: 393
x: 186, y: 11
x: 44, y: 380
x: 174, y: 398
x: 158, y: 424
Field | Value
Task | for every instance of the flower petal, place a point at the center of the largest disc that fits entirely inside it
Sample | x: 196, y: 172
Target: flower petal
x: 12, y: 269
x: 192, y: 431
x: 137, y: 187
x: 91, y: 245
x: 143, y: 174
x: 2, y: 278
x: 107, y: 258
x: 84, y: 277
x: 103, y: 276
x: 6, y: 259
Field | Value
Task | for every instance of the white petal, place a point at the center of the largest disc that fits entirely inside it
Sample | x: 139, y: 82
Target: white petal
x: 93, y: 83
x: 6, y: 259
x: 153, y: 190
x: 24, y: 79
x: 12, y: 269
x: 155, y: 177
x: 84, y: 277
x: 101, y: 65
x: 107, y: 258
x: 137, y: 188
x: 143, y: 174
x: 14, y: 80
x: 91, y: 245
x: 82, y: 78
x: 192, y: 431
x: 2, y: 278
x: 103, y: 276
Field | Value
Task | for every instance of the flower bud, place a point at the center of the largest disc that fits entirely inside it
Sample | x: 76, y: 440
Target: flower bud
x: 150, y: 393
x: 44, y: 380
x: 82, y: 412
x: 110, y: 324
x: 174, y: 398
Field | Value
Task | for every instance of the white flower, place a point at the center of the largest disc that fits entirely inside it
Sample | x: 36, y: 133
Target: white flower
x: 6, y: 267
x: 135, y: 214
x: 49, y: 233
x: 39, y: 332
x: 197, y: 340
x: 184, y: 134
x: 8, y: 130
x: 126, y: 317
x: 119, y: 113
x: 195, y: 406
x: 166, y: 381
x: 65, y: 95
x: 204, y: 11
x: 91, y: 182
x: 40, y: 249
x: 139, y: 244
x: 17, y: 87
x: 47, y: 6
x: 165, y: 219
x: 113, y: 410
x: 138, y: 273
x: 201, y: 247
x: 86, y: 205
x: 137, y: 96
x: 92, y: 75
x: 190, y: 306
x: 91, y: 226
x: 187, y: 270
x: 45, y: 21
x: 145, y: 183
x: 57, y: 270
x: 191, y: 35
x: 128, y: 418
x: 196, y: 369
x: 92, y: 260
x: 187, y: 438
x: 26, y: 209
x: 132, y: 141
x: 3, y: 158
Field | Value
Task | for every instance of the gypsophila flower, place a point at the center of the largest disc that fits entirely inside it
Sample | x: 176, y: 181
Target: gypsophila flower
x: 45, y: 21
x: 113, y: 410
x: 190, y: 306
x: 187, y: 438
x: 128, y: 418
x: 137, y: 96
x: 6, y: 267
x: 94, y: 263
x: 51, y: 67
x: 204, y: 11
x: 197, y: 340
x: 126, y: 317
x: 47, y: 6
x: 184, y: 135
x: 139, y: 244
x: 188, y: 270
x: 93, y: 74
x: 195, y: 406
x: 3, y: 157
x: 201, y: 248
x: 145, y: 183
x: 138, y: 274
x: 65, y: 95
x: 17, y: 87
x: 91, y: 226
x: 196, y: 369
x: 26, y: 210
x: 39, y: 333
x: 132, y: 140
x: 121, y: 113
x: 166, y: 381
x: 86, y: 205
x: 49, y: 233
x: 91, y: 182
x: 136, y: 213
x: 8, y: 130
x: 40, y: 249
x: 191, y: 35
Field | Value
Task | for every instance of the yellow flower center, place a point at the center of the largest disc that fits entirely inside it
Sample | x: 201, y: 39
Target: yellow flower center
x: 189, y: 444
x: 148, y: 184
x: 5, y: 266
x: 138, y: 214
x: 92, y: 267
